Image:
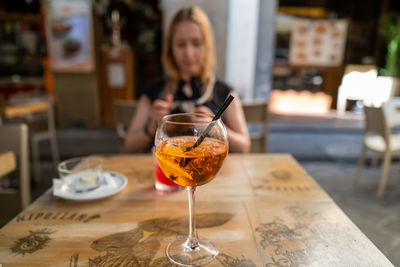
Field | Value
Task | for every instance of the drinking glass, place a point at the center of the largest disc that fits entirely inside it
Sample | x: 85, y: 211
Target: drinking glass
x: 175, y: 137
x: 162, y: 183
x: 81, y: 175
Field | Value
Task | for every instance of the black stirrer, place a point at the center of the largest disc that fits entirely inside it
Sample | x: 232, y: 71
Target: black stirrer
x: 209, y: 127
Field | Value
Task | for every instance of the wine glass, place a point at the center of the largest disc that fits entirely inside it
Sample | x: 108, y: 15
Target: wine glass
x: 190, y: 167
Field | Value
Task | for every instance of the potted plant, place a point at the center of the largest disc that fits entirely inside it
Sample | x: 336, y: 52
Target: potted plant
x: 390, y: 30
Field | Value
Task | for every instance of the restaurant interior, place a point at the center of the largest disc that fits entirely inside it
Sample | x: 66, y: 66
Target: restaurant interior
x: 319, y: 83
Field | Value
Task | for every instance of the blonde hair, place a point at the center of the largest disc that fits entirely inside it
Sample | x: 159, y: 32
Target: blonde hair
x: 198, y: 16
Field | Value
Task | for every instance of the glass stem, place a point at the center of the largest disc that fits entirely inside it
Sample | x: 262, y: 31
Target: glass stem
x: 192, y: 241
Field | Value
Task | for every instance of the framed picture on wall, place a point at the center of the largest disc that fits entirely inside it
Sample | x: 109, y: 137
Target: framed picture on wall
x: 70, y: 35
x: 318, y: 42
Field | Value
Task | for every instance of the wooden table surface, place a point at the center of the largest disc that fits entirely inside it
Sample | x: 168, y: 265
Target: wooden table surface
x: 11, y: 111
x: 261, y: 210
x: 7, y: 162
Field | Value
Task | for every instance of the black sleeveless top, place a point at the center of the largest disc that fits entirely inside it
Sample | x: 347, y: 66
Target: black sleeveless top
x: 221, y: 91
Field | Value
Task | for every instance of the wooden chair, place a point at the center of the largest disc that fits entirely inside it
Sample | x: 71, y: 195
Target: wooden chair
x: 46, y: 132
x: 14, y: 137
x: 378, y: 138
x: 39, y: 116
x: 256, y: 115
x: 123, y: 111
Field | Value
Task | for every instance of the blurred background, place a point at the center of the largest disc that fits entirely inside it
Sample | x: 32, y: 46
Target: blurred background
x: 314, y: 65
x: 296, y: 46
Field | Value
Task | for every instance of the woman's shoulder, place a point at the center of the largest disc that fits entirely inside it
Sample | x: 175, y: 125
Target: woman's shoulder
x: 153, y: 88
x: 222, y: 89
x: 222, y: 85
x: 155, y: 84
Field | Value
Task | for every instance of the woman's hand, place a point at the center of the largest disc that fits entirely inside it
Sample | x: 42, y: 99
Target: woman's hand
x: 204, y: 110
x: 159, y: 109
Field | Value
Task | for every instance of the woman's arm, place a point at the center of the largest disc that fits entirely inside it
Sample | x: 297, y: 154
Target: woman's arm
x: 144, y: 123
x: 238, y: 136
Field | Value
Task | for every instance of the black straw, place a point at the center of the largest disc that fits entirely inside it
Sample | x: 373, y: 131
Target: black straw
x: 209, y: 127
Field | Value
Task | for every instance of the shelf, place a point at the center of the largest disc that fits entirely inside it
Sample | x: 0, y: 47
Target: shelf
x: 33, y: 81
x: 307, y: 67
x: 21, y: 17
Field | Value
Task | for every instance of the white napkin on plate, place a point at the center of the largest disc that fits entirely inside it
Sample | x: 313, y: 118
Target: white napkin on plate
x: 57, y: 187
x: 109, y: 186
x: 109, y: 180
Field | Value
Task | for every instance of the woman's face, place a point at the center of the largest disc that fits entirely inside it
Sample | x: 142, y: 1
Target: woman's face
x: 188, y: 49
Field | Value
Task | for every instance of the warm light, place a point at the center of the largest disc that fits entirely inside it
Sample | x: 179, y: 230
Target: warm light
x: 304, y: 102
x: 373, y: 90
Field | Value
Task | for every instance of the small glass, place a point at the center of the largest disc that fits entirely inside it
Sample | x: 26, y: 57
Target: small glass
x: 162, y: 183
x: 81, y: 175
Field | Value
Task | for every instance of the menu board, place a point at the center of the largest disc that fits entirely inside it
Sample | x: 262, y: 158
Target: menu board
x: 69, y: 35
x: 318, y: 42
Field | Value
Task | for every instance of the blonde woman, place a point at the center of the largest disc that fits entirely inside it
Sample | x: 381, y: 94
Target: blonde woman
x: 188, y: 85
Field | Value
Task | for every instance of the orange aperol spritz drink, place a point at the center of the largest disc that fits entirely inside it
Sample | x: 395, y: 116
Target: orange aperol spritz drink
x: 191, y: 168
x: 190, y: 154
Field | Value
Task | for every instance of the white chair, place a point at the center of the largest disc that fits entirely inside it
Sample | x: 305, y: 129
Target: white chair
x: 357, y: 83
x: 392, y: 111
x: 378, y: 138
x: 14, y: 137
x: 256, y: 115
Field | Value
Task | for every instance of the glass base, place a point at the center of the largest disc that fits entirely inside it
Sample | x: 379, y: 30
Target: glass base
x: 164, y: 188
x: 179, y: 252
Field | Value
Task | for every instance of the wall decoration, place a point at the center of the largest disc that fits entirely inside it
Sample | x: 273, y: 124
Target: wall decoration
x: 69, y: 35
x: 318, y: 42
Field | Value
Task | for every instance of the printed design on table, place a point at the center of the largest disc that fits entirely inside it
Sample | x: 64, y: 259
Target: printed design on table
x: 139, y: 246
x: 281, y: 175
x: 73, y: 261
x: 62, y: 216
x: 142, y: 175
x: 33, y: 242
x: 304, y: 242
x: 228, y: 261
x: 276, y: 181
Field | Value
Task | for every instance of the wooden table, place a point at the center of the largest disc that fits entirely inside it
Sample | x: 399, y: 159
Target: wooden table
x: 261, y: 210
x: 11, y: 111
x: 7, y: 162
x: 22, y: 110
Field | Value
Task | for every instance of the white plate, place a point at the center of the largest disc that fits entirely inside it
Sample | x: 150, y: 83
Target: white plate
x: 113, y: 183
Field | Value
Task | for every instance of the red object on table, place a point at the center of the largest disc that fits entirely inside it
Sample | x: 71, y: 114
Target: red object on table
x: 161, y: 178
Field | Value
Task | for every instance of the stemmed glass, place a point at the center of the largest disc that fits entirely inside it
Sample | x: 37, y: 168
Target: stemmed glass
x: 190, y: 167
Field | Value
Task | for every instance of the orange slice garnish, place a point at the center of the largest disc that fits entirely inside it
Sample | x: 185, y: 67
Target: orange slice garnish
x: 168, y: 168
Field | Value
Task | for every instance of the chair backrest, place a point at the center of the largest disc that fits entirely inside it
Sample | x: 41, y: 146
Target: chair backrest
x: 14, y: 137
x: 357, y: 82
x: 123, y: 112
x: 375, y: 122
x: 392, y: 111
x: 360, y: 68
x: 256, y: 115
